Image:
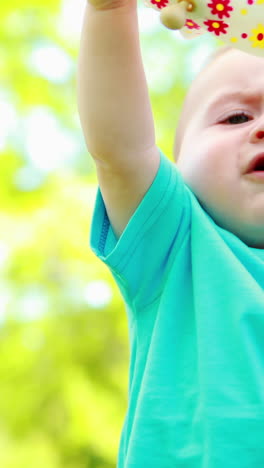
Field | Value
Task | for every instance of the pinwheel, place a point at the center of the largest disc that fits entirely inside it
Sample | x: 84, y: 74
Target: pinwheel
x: 238, y: 23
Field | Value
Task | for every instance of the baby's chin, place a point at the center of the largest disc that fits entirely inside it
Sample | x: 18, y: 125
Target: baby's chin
x: 251, y: 236
x: 254, y: 244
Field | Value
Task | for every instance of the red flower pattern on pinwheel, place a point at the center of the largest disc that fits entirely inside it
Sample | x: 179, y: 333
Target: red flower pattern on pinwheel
x: 220, y: 8
x: 160, y: 3
x: 217, y: 27
x: 190, y: 24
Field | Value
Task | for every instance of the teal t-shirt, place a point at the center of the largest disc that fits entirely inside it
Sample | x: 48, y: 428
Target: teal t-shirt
x: 195, y: 306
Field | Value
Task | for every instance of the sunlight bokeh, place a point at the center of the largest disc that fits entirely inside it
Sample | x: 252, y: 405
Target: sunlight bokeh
x: 63, y: 324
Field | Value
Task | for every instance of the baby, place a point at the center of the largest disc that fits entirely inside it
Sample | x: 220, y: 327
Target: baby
x: 184, y: 244
x: 221, y: 130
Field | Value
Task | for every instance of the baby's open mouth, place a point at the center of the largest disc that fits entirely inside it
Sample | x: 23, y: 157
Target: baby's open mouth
x: 256, y: 164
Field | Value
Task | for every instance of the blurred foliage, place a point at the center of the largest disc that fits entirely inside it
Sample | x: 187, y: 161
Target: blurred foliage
x: 64, y: 358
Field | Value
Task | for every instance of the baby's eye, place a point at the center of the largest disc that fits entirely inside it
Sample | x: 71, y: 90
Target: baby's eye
x: 236, y: 118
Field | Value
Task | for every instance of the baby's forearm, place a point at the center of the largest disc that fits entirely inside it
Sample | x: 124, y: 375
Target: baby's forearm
x: 113, y: 99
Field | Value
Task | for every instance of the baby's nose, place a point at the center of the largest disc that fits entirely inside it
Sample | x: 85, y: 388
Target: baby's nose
x: 260, y: 134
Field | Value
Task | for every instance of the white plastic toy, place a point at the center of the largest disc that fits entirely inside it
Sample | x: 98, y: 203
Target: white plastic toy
x: 239, y: 23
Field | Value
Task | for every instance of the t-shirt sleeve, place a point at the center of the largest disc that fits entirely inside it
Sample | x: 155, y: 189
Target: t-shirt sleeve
x: 142, y: 255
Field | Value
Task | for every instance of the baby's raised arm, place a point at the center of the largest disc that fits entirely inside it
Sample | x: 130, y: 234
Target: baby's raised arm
x: 114, y: 107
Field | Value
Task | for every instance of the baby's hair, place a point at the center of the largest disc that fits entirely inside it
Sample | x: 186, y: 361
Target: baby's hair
x: 179, y: 131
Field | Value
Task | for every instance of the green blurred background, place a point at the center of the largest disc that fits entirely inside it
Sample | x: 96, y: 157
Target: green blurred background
x: 64, y: 351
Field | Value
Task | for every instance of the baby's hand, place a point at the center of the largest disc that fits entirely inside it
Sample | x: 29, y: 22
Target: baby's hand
x: 109, y: 4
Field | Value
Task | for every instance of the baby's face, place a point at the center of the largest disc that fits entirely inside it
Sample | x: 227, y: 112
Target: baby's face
x: 218, y: 146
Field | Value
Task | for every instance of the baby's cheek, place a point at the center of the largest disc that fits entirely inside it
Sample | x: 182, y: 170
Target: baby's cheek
x: 208, y: 182
x: 203, y: 165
